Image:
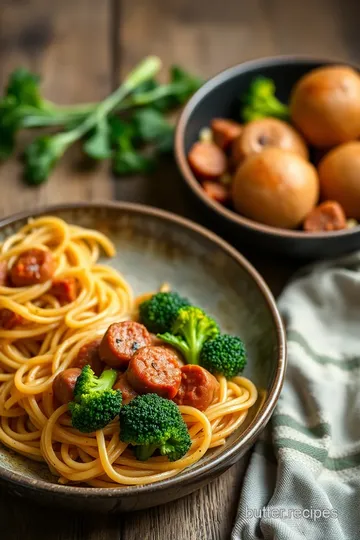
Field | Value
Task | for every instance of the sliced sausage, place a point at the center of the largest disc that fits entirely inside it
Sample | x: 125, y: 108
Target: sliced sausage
x: 216, y: 191
x: 31, y: 267
x: 207, y: 160
x: 128, y: 393
x: 121, y: 341
x: 157, y: 342
x: 154, y: 369
x: 9, y: 319
x: 328, y: 216
x: 64, y: 289
x: 266, y: 133
x: 89, y: 355
x: 225, y: 132
x: 197, y: 388
x: 3, y: 273
x: 64, y: 385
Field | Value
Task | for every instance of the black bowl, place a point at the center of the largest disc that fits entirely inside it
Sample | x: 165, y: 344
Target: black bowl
x: 219, y: 97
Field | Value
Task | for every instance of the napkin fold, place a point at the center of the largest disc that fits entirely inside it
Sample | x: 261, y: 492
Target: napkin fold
x: 303, y: 478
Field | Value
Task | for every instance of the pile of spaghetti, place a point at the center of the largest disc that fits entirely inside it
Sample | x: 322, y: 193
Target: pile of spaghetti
x: 47, y: 341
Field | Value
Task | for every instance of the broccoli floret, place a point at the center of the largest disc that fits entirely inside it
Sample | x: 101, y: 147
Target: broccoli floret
x: 225, y: 355
x: 95, y: 403
x: 150, y: 423
x: 159, y: 312
x: 260, y: 101
x: 42, y: 155
x: 190, y: 330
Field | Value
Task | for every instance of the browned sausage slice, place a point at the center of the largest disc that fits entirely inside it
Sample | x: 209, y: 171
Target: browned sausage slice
x: 328, y: 216
x: 64, y: 385
x: 154, y: 369
x: 207, y: 160
x: 9, y: 319
x: 89, y: 355
x: 157, y: 342
x: 121, y: 341
x: 225, y: 132
x: 31, y: 267
x: 197, y: 388
x: 64, y: 289
x: 128, y: 393
x: 216, y: 191
x: 3, y: 273
x: 266, y: 133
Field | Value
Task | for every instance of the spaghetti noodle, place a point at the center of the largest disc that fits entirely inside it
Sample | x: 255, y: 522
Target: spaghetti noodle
x: 48, y: 340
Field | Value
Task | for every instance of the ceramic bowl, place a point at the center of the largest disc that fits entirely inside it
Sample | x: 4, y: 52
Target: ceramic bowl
x: 154, y: 246
x: 219, y: 97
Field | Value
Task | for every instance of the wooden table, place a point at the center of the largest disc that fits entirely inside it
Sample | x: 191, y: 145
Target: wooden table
x: 82, y: 48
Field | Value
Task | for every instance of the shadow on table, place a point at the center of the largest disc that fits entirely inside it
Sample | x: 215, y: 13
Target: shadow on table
x: 214, y: 505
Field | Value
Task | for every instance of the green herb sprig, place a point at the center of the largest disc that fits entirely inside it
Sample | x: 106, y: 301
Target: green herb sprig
x: 130, y: 126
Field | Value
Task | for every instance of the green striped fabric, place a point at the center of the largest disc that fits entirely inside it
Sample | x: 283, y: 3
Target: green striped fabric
x: 303, y: 478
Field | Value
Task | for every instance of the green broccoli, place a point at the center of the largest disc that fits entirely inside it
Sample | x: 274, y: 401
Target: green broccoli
x: 43, y: 153
x: 159, y: 312
x: 21, y: 99
x: 190, y: 330
x: 260, y: 101
x: 24, y: 87
x: 23, y: 107
x: 225, y: 355
x: 95, y: 403
x: 150, y: 422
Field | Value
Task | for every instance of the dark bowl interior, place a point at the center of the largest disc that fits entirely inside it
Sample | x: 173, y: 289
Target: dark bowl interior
x: 152, y: 247
x: 220, y: 97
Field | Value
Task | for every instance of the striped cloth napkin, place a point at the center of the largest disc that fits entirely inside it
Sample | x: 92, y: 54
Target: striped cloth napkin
x: 303, y: 479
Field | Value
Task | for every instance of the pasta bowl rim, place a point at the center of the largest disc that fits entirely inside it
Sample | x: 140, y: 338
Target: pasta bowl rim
x: 198, y: 471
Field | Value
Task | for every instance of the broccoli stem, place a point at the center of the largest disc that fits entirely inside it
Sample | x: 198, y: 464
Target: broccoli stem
x: 43, y: 153
x: 195, y: 336
x: 278, y: 108
x: 33, y: 118
x: 145, y: 98
x: 192, y: 339
x: 179, y: 344
x: 144, y: 452
x: 82, y: 108
x: 49, y: 120
x: 59, y: 115
x: 106, y: 380
x: 144, y: 71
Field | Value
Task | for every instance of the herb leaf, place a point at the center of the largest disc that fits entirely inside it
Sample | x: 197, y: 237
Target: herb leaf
x: 23, y: 86
x: 132, y: 162
x: 133, y: 141
x: 41, y: 157
x: 186, y: 84
x: 126, y: 159
x: 152, y: 126
x: 9, y: 125
x: 97, y: 145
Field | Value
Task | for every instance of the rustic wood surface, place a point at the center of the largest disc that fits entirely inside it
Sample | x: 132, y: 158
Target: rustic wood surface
x: 82, y: 48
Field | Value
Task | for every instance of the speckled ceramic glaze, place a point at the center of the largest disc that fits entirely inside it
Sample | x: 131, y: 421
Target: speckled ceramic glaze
x: 152, y: 247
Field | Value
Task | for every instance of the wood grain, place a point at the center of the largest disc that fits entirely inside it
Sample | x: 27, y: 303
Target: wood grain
x: 68, y: 43
x: 83, y: 48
